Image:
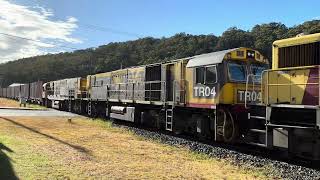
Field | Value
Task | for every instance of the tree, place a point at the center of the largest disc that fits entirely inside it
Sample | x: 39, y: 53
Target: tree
x: 265, y: 34
x: 309, y: 27
x: 233, y: 38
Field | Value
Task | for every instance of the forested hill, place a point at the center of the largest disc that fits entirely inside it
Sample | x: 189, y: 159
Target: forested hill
x: 146, y: 50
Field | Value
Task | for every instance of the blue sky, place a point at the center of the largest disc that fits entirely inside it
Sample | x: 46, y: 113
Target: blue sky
x: 160, y: 18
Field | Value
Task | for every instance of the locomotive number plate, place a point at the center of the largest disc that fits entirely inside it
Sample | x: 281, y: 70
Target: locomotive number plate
x: 204, y: 91
x: 251, y: 96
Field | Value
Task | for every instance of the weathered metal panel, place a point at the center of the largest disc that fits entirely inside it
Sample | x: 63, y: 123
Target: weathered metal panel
x: 99, y: 86
x: 24, y: 91
x: 11, y: 92
x: 118, y: 87
x: 60, y: 89
x: 16, y: 92
x: 73, y: 87
x: 135, y: 86
x: 280, y: 137
x: 36, y: 91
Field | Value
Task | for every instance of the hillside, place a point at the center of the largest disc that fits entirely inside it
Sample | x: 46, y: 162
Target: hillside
x: 146, y: 50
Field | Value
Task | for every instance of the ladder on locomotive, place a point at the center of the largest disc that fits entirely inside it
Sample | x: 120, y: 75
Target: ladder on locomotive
x: 257, y: 117
x: 258, y: 130
x: 169, y: 118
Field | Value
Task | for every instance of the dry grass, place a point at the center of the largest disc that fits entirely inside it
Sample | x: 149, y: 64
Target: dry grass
x: 52, y: 148
x: 14, y: 103
x: 8, y: 103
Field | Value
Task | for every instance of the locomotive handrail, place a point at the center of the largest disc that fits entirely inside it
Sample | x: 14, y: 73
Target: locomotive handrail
x: 294, y: 68
x: 287, y: 84
x: 131, y: 91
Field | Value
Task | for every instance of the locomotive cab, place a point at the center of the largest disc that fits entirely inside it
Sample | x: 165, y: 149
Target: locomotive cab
x: 220, y: 77
x: 217, y: 83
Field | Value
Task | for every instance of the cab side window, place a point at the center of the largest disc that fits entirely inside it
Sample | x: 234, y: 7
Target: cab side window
x: 211, y: 75
x: 200, y: 75
x: 206, y: 75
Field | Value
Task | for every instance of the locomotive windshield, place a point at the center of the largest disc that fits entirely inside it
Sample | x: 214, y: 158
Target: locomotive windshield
x: 257, y: 69
x: 237, y: 72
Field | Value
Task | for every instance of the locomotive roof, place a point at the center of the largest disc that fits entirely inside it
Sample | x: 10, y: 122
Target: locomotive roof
x: 302, y: 39
x: 15, y: 84
x: 208, y: 59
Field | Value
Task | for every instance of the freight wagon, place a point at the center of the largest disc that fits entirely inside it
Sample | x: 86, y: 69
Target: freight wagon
x: 31, y: 92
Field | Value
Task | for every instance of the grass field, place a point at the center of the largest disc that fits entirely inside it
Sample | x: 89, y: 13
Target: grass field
x: 53, y: 148
x: 13, y: 103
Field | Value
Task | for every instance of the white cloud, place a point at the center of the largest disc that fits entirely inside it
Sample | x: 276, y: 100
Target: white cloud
x: 316, y: 18
x: 33, y: 23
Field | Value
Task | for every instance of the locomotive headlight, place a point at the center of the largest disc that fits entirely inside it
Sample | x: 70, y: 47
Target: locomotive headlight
x: 250, y: 54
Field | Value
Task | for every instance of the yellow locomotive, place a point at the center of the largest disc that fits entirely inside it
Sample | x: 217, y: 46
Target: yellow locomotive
x: 290, y: 108
x: 203, y: 94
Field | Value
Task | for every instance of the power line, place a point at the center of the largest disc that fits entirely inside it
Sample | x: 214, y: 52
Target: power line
x: 107, y: 29
x: 104, y: 28
x: 33, y: 40
x: 101, y: 28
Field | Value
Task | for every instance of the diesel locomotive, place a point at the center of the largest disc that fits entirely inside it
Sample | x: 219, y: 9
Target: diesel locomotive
x: 289, y: 111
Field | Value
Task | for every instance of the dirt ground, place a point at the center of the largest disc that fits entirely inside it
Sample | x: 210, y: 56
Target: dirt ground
x: 55, y: 148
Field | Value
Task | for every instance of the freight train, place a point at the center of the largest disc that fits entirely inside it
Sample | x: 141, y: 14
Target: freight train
x: 228, y: 96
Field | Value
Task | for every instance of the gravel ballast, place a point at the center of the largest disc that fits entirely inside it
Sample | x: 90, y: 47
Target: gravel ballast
x: 277, y: 168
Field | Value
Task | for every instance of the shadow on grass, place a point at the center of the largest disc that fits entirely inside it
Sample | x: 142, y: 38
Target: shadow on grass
x: 78, y: 148
x: 6, y: 170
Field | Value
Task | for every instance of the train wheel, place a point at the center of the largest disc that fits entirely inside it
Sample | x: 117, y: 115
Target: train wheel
x: 226, y: 126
